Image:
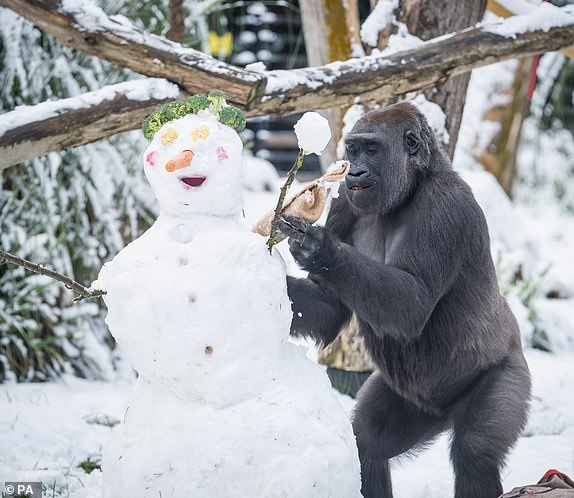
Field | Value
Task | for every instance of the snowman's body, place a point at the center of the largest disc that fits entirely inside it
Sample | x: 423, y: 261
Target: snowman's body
x: 224, y: 406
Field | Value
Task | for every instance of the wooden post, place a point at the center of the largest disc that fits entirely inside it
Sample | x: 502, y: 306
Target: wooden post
x: 330, y: 28
x: 499, y: 156
x: 428, y: 19
x: 176, y: 30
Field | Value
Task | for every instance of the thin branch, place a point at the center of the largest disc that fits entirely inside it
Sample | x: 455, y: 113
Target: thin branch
x: 272, y: 240
x: 83, y: 292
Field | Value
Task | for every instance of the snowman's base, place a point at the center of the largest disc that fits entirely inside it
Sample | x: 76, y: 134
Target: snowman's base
x: 282, y: 443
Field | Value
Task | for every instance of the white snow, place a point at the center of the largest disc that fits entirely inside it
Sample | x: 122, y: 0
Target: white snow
x: 352, y: 115
x: 519, y: 6
x: 279, y: 81
x: 543, y: 17
x: 259, y: 175
x: 402, y: 40
x: 435, y: 117
x: 258, y: 67
x: 379, y: 19
x: 313, y: 133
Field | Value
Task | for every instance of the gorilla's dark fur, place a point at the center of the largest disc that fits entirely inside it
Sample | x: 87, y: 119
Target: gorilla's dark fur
x: 406, y: 248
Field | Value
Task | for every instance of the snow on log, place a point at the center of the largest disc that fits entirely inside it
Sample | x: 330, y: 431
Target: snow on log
x: 84, y: 26
x: 31, y: 131
x: 376, y: 78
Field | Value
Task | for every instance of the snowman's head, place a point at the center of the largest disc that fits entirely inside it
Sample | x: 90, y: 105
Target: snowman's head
x: 194, y: 166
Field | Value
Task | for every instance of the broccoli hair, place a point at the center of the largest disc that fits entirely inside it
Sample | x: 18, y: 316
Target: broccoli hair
x: 173, y: 110
x: 197, y: 103
x: 233, y: 117
x: 215, y: 101
x: 152, y: 124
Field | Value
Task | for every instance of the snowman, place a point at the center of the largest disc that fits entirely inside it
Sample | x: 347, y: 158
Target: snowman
x: 223, y: 405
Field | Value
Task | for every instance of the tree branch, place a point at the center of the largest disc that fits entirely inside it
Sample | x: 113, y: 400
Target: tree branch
x: 83, y: 292
x: 87, y: 28
x: 299, y: 90
x: 380, y: 78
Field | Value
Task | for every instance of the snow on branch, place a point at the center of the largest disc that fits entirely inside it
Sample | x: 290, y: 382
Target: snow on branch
x: 376, y: 78
x: 84, y: 26
x: 31, y: 131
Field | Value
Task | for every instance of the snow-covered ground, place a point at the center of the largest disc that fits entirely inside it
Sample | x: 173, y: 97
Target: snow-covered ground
x: 49, y: 429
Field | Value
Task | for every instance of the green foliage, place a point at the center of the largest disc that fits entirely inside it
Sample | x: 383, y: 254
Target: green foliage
x: 233, y: 117
x: 197, y: 103
x: 151, y: 124
x: 217, y: 100
x: 525, y: 288
x: 558, y: 106
x: 173, y: 110
x: 88, y: 465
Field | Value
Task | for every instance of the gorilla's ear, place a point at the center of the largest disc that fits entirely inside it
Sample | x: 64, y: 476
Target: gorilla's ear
x: 412, y: 142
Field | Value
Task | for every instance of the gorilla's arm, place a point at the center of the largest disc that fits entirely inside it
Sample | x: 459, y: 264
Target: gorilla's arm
x: 396, y: 297
x: 317, y: 312
x: 393, y: 301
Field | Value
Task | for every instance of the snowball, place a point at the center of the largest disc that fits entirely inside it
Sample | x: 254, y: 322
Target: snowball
x: 313, y: 133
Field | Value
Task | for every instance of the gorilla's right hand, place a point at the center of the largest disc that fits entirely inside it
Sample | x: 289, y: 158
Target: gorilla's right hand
x: 311, y: 246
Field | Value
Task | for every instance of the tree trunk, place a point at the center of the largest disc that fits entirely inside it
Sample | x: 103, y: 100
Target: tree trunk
x: 499, y: 156
x: 330, y: 28
x: 176, y: 30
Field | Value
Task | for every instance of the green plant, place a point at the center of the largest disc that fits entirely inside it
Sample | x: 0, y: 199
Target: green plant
x: 88, y: 465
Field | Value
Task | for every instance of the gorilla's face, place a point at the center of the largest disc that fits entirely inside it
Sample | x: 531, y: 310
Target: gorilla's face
x: 384, y: 149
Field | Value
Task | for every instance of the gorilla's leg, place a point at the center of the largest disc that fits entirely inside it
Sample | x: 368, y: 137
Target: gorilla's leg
x: 385, y: 426
x: 486, y: 425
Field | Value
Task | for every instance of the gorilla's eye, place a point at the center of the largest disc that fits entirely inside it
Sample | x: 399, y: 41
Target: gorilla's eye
x: 372, y: 149
x: 352, y: 150
x: 412, y: 142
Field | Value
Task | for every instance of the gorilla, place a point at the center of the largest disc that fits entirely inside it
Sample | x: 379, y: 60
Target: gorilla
x: 406, y: 249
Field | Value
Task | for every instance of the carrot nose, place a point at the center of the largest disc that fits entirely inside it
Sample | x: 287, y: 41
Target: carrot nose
x: 182, y: 160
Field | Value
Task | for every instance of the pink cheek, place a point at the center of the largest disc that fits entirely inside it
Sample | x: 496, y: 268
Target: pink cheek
x: 221, y: 154
x: 151, y: 158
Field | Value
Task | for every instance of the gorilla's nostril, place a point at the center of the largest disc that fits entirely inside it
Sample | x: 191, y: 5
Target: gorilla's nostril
x: 182, y: 160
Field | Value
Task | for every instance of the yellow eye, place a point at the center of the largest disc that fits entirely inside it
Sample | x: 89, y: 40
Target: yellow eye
x: 200, y: 133
x: 168, y: 136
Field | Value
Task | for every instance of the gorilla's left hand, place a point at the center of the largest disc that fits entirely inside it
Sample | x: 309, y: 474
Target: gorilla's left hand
x: 311, y: 246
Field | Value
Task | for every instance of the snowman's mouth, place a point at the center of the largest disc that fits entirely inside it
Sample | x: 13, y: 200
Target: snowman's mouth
x: 193, y: 181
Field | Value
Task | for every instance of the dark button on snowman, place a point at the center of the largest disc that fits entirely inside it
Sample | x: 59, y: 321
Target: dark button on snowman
x: 223, y: 406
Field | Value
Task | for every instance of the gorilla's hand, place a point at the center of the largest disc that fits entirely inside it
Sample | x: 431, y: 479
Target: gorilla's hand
x: 311, y: 246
